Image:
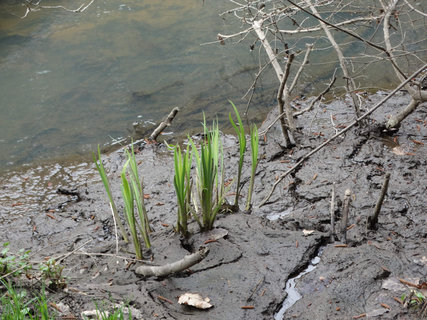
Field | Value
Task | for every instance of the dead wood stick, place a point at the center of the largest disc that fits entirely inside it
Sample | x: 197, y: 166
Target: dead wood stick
x: 285, y: 126
x: 165, y: 123
x: 396, y: 119
x: 332, y: 232
x: 307, y: 156
x: 174, y: 267
x: 344, y: 217
x: 372, y: 221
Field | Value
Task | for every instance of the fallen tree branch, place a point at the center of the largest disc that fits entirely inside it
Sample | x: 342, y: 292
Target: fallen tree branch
x: 304, y: 158
x: 165, y: 123
x: 372, y: 221
x: 174, y: 267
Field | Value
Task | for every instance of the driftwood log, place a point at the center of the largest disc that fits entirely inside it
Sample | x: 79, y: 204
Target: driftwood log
x: 174, y: 267
x: 165, y: 123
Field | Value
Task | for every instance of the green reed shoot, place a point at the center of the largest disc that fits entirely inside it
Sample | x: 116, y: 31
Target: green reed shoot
x: 254, y: 153
x: 106, y: 183
x: 130, y: 211
x: 182, y: 187
x: 240, y: 132
x: 137, y: 188
x: 207, y: 175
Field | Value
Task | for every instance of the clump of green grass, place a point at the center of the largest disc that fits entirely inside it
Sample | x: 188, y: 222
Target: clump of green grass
x: 14, y: 264
x: 240, y: 132
x: 182, y: 183
x: 254, y: 154
x: 209, y: 175
x: 101, y: 170
x: 132, y: 191
x: 19, y: 305
x: 133, y: 194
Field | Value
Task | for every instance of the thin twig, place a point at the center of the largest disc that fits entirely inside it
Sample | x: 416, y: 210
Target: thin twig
x: 320, y: 96
x: 372, y: 221
x: 332, y: 210
x: 301, y: 68
x: 174, y: 267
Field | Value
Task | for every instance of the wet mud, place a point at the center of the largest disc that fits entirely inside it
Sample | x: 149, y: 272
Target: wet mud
x: 248, y: 266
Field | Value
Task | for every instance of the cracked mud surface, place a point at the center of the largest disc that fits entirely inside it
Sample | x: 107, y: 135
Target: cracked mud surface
x: 251, y: 264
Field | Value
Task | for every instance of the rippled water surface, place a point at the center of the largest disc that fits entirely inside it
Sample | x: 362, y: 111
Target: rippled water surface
x: 72, y: 80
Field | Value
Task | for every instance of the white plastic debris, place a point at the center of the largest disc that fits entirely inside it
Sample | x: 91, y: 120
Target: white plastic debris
x: 194, y: 300
x: 307, y: 232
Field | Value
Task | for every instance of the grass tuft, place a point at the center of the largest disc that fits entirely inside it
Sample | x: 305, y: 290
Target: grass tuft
x: 254, y: 154
x: 209, y: 176
x: 240, y: 132
x: 101, y: 170
x: 182, y: 183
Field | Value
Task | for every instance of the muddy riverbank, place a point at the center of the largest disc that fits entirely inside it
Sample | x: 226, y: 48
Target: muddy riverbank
x: 246, y: 271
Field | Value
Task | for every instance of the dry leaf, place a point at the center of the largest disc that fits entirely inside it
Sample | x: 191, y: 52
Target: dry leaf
x: 307, y: 232
x: 194, y: 300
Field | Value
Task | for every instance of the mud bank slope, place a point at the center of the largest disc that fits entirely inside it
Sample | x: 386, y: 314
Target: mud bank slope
x: 249, y: 266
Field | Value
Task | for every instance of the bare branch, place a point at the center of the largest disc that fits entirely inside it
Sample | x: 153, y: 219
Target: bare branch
x: 307, y: 156
x: 417, y: 11
x: 304, y: 62
x: 350, y: 84
x: 174, y: 267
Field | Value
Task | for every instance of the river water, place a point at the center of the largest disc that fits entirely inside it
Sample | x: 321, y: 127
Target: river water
x: 70, y: 81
